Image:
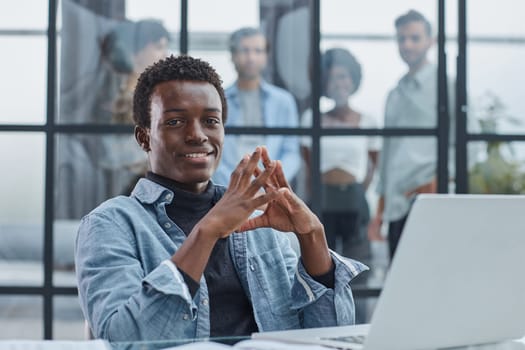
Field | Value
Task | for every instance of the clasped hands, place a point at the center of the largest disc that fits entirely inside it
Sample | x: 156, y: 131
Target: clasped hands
x: 251, y: 188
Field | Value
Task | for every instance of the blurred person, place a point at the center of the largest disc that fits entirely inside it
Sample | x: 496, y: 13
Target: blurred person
x: 407, y: 165
x: 253, y: 102
x: 347, y: 162
x: 100, y: 60
x: 182, y: 257
x: 129, y: 49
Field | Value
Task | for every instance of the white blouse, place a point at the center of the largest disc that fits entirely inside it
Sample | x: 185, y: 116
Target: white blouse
x: 349, y: 152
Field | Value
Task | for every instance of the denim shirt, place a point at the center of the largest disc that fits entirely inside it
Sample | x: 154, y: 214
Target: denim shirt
x: 279, y: 110
x: 130, y: 290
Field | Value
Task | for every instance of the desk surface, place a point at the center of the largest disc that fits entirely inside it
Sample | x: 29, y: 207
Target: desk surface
x: 154, y: 345
x: 190, y: 343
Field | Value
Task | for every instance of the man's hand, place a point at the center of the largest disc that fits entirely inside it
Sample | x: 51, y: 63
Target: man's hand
x: 285, y: 211
x: 242, y: 197
x: 374, y: 229
x: 430, y: 187
x: 235, y: 207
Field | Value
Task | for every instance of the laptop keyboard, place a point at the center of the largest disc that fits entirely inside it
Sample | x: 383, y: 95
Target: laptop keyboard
x: 355, y: 339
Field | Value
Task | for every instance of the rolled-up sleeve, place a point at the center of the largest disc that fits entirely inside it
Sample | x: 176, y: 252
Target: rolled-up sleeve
x: 120, y: 300
x: 322, y: 306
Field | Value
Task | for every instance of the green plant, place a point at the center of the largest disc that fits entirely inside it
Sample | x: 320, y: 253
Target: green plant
x: 495, y: 174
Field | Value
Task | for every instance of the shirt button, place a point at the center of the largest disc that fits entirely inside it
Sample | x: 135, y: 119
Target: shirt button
x: 185, y: 317
x: 169, y: 196
x: 204, y: 302
x: 167, y: 225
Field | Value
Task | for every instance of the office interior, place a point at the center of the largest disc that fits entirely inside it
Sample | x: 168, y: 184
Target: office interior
x: 63, y: 153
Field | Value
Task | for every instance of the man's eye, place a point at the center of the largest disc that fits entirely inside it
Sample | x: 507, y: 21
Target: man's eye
x: 173, y: 122
x: 213, y: 121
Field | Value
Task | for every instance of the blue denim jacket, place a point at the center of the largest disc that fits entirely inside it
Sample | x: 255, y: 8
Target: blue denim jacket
x: 130, y: 290
x: 279, y: 111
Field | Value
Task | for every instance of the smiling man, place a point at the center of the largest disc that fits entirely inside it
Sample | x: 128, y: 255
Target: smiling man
x: 407, y: 165
x: 185, y: 258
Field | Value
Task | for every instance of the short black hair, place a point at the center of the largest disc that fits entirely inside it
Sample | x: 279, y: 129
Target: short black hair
x: 340, y: 57
x: 413, y: 16
x: 183, y: 68
x: 245, y: 32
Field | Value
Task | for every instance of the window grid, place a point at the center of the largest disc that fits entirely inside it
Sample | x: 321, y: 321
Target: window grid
x: 51, y: 129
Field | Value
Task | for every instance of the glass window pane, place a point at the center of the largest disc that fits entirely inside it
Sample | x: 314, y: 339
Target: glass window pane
x: 382, y: 23
x: 353, y: 71
x: 21, y: 210
x: 64, y: 235
x: 222, y: 10
x: 102, y: 55
x: 92, y: 168
x: 24, y: 14
x: 167, y: 11
x: 25, y: 86
x: 68, y: 320
x: 498, y: 169
x: 501, y: 19
x: 23, y: 184
x: 495, y: 100
x: 21, y: 317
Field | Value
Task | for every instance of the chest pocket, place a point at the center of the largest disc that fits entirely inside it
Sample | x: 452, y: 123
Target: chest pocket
x: 272, y: 280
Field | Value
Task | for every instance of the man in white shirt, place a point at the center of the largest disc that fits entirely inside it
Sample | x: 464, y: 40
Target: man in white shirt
x: 407, y: 165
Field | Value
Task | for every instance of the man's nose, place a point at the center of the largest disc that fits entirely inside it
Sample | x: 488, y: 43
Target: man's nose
x: 407, y: 44
x: 195, y: 133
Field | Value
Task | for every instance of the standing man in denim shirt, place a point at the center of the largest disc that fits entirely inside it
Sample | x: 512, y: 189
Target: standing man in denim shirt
x: 252, y: 102
x: 182, y: 257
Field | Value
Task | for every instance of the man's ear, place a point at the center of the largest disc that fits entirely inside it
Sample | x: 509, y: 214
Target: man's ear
x: 142, y: 137
x: 433, y: 41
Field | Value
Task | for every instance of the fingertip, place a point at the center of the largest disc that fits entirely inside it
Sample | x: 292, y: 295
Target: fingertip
x: 286, y: 192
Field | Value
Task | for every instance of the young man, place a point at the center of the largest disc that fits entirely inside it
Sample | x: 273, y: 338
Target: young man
x: 408, y: 164
x: 184, y: 258
x: 252, y: 102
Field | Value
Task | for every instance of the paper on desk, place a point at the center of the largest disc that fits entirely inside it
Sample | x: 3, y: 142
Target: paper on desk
x: 260, y: 344
x: 250, y: 344
x: 54, y: 345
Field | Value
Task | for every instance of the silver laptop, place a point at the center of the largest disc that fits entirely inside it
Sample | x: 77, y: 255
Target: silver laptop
x: 456, y: 279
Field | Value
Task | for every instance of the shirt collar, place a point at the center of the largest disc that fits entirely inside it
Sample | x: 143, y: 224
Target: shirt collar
x: 264, y: 86
x: 425, y: 73
x: 149, y: 192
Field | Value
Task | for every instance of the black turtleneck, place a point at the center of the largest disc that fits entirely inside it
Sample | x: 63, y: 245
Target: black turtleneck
x: 231, y: 311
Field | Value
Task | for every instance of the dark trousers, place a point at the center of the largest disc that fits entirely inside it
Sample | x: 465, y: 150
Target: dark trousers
x: 395, y: 228
x: 345, y: 214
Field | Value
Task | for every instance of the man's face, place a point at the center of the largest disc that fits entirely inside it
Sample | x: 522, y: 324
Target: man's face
x: 250, y: 57
x: 413, y: 42
x: 184, y: 141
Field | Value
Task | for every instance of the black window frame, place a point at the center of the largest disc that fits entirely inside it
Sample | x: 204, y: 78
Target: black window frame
x: 52, y: 129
